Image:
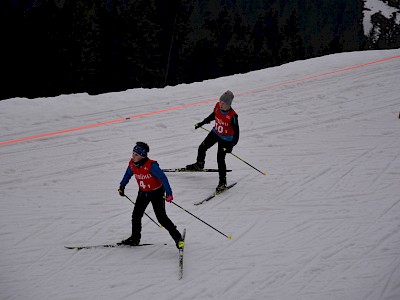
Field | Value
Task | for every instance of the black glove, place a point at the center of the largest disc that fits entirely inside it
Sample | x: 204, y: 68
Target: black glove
x: 121, y: 191
x: 198, y: 125
x: 228, y: 147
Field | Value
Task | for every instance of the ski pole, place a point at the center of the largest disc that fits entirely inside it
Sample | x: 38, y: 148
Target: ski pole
x: 229, y: 237
x: 144, y: 213
x: 247, y: 163
x: 264, y: 173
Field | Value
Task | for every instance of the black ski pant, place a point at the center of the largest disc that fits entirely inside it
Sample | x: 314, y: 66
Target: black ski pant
x: 157, y: 200
x: 211, y: 139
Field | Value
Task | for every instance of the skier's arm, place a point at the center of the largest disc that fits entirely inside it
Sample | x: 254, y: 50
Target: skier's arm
x: 205, y: 121
x: 127, y: 177
x: 210, y: 118
x: 235, y: 126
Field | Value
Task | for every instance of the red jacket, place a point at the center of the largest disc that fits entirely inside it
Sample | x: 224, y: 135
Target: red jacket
x: 223, y: 124
x: 146, y: 181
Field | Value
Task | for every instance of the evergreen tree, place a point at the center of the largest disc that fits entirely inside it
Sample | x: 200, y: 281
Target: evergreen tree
x: 182, y: 46
x: 98, y: 46
x: 385, y: 33
x: 292, y: 43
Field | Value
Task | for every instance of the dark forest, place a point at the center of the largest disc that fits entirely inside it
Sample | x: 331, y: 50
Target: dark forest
x: 62, y: 47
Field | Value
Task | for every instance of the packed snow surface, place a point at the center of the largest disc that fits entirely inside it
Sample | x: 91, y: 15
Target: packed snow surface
x: 323, y: 223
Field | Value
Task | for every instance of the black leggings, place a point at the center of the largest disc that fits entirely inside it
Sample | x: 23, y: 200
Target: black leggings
x: 156, y: 198
x: 211, y: 139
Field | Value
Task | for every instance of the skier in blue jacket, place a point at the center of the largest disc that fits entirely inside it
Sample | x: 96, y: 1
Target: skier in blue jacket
x: 153, y: 184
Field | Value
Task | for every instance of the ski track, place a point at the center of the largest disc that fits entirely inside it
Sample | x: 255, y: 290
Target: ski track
x: 323, y: 224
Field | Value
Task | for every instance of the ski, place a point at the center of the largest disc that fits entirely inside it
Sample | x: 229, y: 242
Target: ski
x: 115, y: 245
x: 215, y: 194
x: 195, y: 171
x: 181, y: 250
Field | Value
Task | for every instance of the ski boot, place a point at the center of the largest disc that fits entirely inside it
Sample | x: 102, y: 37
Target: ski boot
x: 221, y: 185
x: 131, y: 241
x: 197, y: 166
x: 179, y: 242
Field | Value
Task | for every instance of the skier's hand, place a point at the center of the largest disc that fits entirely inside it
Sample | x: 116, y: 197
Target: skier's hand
x: 228, y: 148
x: 121, y: 190
x: 169, y: 198
x: 198, y: 125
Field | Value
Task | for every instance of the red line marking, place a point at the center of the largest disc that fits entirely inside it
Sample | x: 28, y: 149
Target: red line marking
x: 43, y: 135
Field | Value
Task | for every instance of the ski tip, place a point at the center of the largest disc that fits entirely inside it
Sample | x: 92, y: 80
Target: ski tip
x: 265, y: 173
x: 230, y: 237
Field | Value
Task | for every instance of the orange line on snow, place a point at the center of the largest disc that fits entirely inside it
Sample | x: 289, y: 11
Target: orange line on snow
x: 320, y: 75
x: 43, y: 135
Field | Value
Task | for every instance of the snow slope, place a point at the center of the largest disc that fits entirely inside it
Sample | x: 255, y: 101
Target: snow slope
x: 324, y: 223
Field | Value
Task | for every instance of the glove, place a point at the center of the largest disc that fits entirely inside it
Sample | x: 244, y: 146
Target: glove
x: 121, y: 191
x: 228, y: 148
x: 169, y: 198
x: 198, y: 125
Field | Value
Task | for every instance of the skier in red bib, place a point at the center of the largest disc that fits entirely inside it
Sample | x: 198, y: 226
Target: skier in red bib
x: 153, y: 184
x: 225, y: 133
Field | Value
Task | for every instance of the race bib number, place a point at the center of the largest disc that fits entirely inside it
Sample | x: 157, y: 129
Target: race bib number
x: 142, y: 185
